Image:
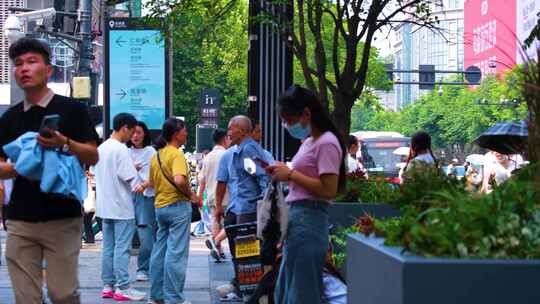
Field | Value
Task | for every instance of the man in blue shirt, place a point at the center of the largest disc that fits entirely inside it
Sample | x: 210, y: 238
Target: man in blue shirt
x: 225, y: 182
x: 250, y: 185
x: 244, y: 187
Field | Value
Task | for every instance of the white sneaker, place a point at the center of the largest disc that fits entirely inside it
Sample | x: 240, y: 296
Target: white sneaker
x: 231, y: 297
x: 224, y: 290
x: 130, y: 294
x: 141, y: 276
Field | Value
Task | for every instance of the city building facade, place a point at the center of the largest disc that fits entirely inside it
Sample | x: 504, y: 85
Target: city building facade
x: 488, y: 34
x: 441, y: 47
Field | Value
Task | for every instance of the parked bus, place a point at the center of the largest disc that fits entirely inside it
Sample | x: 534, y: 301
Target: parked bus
x: 377, y: 151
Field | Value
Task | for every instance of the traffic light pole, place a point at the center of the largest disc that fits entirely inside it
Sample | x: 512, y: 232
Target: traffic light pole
x: 85, y: 50
x: 427, y: 76
x: 433, y: 83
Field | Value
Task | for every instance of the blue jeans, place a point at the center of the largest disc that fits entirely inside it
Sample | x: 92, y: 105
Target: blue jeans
x: 117, y: 236
x: 306, y: 245
x: 168, y: 264
x: 145, y: 218
x: 199, y: 228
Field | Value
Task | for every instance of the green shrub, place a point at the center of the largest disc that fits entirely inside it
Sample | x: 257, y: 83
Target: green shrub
x: 339, y: 241
x: 420, y: 185
x: 452, y: 223
x: 373, y: 190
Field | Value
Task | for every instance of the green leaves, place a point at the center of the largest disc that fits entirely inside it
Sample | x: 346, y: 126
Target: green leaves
x: 449, y: 222
x: 210, y: 43
x: 453, y: 118
x: 373, y: 190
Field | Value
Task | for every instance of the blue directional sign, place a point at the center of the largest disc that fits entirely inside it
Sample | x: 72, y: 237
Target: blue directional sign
x: 137, y: 74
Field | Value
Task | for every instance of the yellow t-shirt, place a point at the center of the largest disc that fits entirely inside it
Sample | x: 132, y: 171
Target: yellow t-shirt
x: 174, y: 163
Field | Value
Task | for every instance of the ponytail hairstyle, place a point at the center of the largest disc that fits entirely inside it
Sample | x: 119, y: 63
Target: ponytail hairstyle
x: 170, y: 127
x: 420, y: 141
x: 295, y: 100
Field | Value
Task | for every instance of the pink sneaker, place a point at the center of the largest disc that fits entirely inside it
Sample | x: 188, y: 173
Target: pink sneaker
x: 107, y: 292
x: 129, y: 294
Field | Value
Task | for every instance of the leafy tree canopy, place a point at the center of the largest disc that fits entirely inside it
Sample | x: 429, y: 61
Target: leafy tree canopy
x: 209, y: 42
x: 453, y: 119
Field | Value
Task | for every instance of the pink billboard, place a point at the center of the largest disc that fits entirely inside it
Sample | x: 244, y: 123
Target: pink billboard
x: 490, y: 35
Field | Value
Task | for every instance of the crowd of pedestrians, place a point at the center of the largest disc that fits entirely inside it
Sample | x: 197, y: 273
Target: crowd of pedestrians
x: 147, y: 190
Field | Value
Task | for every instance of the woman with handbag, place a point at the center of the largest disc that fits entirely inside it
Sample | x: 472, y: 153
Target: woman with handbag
x: 169, y: 176
x: 318, y: 171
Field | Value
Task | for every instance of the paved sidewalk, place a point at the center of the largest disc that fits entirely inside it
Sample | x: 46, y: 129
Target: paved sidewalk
x: 197, y: 287
x: 220, y: 274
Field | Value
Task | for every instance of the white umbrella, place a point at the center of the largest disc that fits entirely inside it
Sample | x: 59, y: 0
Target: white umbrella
x: 476, y: 159
x: 402, y: 151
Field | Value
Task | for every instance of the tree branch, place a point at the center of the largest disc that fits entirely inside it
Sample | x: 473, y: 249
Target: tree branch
x: 360, y: 75
x: 315, y: 25
x: 338, y: 29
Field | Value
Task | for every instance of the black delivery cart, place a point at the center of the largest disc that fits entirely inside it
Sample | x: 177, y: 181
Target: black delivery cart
x: 247, y: 256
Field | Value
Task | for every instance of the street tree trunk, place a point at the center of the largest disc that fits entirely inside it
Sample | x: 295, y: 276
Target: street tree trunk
x: 341, y: 115
x: 532, y: 95
x: 530, y: 86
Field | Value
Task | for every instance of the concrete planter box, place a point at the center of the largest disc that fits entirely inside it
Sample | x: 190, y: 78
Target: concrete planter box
x: 383, y: 275
x: 345, y: 214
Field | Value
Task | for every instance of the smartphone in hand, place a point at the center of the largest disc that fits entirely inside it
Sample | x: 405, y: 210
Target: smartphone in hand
x: 49, y: 123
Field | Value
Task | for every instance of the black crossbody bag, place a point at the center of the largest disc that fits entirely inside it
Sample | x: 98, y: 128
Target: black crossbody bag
x: 195, y: 213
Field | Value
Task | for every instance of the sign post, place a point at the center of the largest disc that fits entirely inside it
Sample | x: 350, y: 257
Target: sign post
x: 209, y: 103
x: 137, y: 73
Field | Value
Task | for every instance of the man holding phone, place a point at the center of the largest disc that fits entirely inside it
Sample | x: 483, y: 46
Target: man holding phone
x: 43, y: 226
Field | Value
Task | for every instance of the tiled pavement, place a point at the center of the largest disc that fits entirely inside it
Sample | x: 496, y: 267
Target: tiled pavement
x: 202, y: 277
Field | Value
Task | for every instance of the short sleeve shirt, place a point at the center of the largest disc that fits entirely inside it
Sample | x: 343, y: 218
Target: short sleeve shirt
x: 224, y: 176
x: 250, y: 187
x: 351, y: 164
x: 173, y: 163
x: 114, y: 174
x: 27, y: 202
x: 315, y: 158
x: 143, y: 157
x: 209, y: 171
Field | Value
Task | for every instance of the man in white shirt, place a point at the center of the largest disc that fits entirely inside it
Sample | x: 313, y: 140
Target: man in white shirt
x: 114, y: 174
x: 352, y: 149
x: 208, y: 183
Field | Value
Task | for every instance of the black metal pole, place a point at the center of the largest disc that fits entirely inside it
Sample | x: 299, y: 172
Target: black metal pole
x: 86, y: 50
